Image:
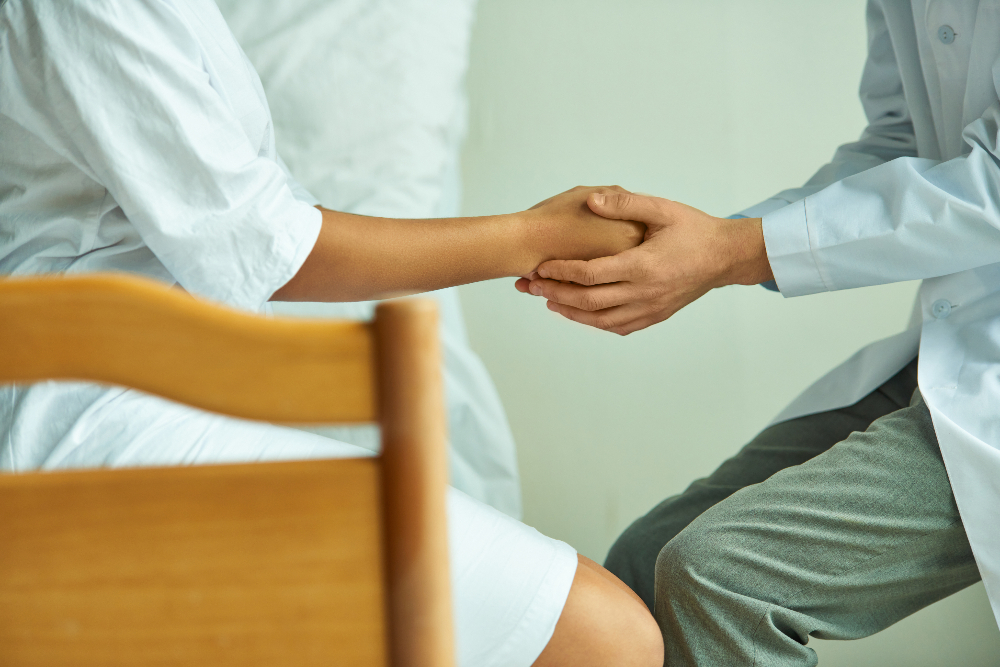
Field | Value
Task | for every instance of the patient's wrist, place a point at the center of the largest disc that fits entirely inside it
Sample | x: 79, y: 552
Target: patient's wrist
x: 528, y: 243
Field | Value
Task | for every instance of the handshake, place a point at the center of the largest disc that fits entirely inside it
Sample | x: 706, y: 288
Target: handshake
x: 622, y: 261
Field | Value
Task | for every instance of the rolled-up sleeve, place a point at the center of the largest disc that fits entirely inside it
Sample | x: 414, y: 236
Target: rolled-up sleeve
x: 125, y: 92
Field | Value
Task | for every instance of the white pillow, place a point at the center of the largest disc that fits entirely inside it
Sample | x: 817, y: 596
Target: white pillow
x: 367, y: 96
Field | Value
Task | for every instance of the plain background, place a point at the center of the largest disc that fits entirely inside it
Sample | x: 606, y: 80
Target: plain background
x: 719, y: 104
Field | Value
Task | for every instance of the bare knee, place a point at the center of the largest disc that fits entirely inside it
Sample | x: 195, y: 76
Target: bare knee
x: 603, y: 623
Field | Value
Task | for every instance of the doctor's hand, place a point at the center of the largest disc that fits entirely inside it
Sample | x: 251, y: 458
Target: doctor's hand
x: 685, y: 254
x: 564, y: 227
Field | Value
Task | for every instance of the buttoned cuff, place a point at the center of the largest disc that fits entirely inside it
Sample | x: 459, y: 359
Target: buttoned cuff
x: 786, y: 239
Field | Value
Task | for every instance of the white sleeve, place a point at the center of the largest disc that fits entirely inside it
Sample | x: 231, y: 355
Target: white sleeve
x: 889, y: 134
x: 123, y: 91
x: 901, y: 217
x: 904, y: 220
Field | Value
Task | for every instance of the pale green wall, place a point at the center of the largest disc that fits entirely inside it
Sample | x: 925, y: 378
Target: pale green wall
x: 718, y: 104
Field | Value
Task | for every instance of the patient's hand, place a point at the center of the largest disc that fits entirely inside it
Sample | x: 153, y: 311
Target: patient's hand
x: 564, y: 227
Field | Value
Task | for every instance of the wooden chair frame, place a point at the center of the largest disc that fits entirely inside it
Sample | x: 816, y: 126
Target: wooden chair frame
x: 288, y: 563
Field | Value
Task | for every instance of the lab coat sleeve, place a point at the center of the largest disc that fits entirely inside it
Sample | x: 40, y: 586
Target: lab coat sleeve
x: 123, y: 91
x: 889, y: 134
x: 907, y: 219
x: 902, y: 217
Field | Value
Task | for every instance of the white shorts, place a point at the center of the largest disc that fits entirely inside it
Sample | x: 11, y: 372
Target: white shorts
x: 509, y: 581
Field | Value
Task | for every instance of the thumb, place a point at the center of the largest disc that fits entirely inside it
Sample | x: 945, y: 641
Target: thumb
x: 628, y: 206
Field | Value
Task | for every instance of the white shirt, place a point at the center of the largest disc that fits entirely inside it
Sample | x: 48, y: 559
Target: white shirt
x: 159, y: 161
x: 918, y: 196
x: 150, y: 150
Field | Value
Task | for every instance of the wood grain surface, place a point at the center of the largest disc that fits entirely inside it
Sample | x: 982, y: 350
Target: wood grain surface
x: 138, y: 333
x: 415, y: 474
x: 260, y: 564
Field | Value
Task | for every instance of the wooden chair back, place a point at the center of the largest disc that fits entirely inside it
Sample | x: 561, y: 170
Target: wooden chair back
x: 333, y: 562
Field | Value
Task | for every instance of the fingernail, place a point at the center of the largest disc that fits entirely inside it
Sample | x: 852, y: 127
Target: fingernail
x: 535, y: 289
x: 599, y: 199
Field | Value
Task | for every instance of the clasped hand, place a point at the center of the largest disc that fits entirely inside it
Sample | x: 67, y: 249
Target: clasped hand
x: 685, y: 253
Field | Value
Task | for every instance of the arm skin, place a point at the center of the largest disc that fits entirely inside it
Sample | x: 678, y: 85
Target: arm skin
x: 358, y: 258
x: 686, y: 253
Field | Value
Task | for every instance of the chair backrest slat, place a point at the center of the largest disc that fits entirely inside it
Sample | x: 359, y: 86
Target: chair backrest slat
x: 138, y: 333
x: 229, y: 566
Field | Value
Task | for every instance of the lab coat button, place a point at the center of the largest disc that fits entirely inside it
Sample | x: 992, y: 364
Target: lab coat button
x: 946, y: 34
x: 941, y: 309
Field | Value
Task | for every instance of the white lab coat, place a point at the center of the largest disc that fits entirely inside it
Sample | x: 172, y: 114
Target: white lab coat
x: 918, y: 196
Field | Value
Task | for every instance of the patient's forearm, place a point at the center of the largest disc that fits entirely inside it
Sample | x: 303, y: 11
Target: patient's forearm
x: 358, y: 258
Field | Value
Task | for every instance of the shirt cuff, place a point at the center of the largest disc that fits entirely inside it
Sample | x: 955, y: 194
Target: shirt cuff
x: 786, y: 239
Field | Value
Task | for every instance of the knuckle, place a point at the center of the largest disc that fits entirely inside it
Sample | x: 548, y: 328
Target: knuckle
x: 661, y: 309
x: 558, y: 270
x: 589, y: 275
x: 643, y: 272
x: 605, y: 322
x: 625, y: 200
x: 650, y: 294
x: 569, y: 314
x: 654, y: 311
x: 589, y: 301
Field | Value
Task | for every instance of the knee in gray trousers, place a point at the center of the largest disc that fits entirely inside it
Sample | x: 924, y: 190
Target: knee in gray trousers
x: 633, y: 556
x: 834, y: 525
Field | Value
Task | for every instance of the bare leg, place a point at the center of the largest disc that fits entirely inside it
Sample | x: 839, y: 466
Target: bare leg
x: 603, y: 624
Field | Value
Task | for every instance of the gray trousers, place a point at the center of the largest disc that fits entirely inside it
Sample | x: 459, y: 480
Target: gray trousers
x: 834, y: 525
